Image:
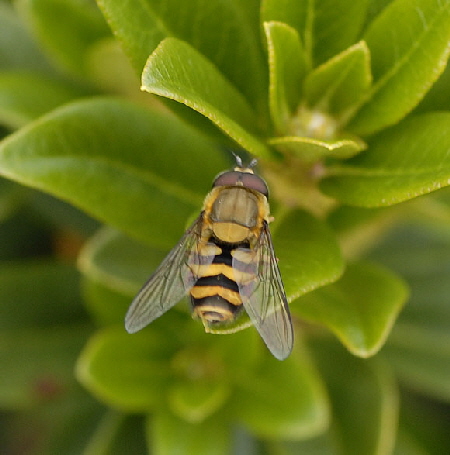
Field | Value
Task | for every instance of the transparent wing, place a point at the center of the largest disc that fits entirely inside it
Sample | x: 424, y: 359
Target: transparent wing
x: 262, y: 292
x: 170, y: 282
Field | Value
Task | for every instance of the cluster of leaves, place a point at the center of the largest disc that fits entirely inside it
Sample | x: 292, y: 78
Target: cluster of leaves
x: 334, y: 99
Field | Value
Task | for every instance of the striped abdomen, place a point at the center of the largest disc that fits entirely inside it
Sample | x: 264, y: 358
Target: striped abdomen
x: 215, y: 295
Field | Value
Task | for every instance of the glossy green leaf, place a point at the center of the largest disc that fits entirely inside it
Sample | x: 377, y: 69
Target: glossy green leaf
x: 66, y: 28
x: 408, y: 44
x: 170, y: 435
x: 37, y: 363
x: 360, y: 308
x: 283, y: 399
x: 129, y: 372
x: 364, y: 400
x: 121, y: 163
x: 25, y: 96
x: 339, y: 83
x: 287, y: 67
x: 24, y: 54
x: 406, y: 161
x: 325, y: 28
x: 227, y: 33
x: 310, y: 150
x: 309, y: 256
x: 177, y: 71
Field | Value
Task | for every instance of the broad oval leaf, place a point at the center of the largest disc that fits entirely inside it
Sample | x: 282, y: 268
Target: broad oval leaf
x: 325, y: 28
x: 287, y: 67
x: 409, y: 49
x: 142, y: 171
x: 299, y: 412
x: 406, y: 161
x: 360, y: 308
x: 339, y: 83
x: 227, y: 33
x: 177, y: 71
x: 127, y: 372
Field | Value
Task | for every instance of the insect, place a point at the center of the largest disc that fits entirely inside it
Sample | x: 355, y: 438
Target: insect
x: 226, y: 263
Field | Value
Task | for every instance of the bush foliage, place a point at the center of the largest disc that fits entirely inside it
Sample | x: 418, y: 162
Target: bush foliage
x: 346, y: 106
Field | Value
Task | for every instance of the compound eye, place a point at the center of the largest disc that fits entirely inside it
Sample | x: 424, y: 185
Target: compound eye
x: 227, y: 178
x: 256, y: 183
x: 245, y: 179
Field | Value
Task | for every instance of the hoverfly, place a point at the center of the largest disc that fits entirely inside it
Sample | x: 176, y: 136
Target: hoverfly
x: 225, y: 262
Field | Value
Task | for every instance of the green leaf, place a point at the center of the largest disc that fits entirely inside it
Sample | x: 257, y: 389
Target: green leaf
x: 364, y: 400
x: 119, y: 162
x: 12, y: 197
x: 226, y: 33
x: 429, y: 432
x: 311, y: 150
x: 24, y: 54
x: 195, y: 400
x: 321, y: 445
x: 115, y: 434
x: 406, y: 161
x: 25, y: 96
x: 339, y: 83
x: 129, y: 372
x: 108, y: 66
x: 419, y: 345
x: 299, y: 412
x: 37, y: 363
x: 66, y: 28
x: 309, y: 256
x: 420, y: 358
x: 118, y: 262
x: 107, y: 307
x: 64, y: 423
x: 360, y: 308
x: 438, y: 97
x: 177, y: 71
x: 325, y: 28
x: 170, y: 435
x: 38, y: 294
x: 359, y: 228
x: 409, y: 48
x: 287, y: 67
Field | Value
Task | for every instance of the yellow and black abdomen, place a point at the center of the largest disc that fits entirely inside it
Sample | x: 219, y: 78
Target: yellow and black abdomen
x: 215, y: 296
